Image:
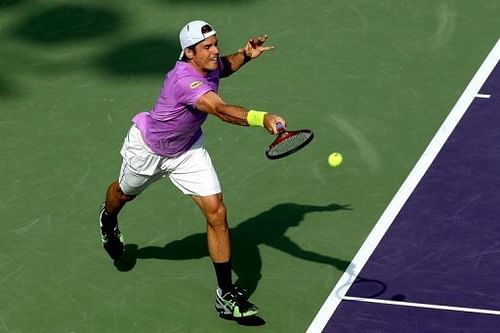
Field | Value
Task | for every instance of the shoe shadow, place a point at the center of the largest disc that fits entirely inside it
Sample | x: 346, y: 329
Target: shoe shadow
x: 268, y: 228
x: 247, y: 321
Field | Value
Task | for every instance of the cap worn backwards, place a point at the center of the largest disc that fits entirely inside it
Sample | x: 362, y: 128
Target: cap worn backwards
x: 191, y: 34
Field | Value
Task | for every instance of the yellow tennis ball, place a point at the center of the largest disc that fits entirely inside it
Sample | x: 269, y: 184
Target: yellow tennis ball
x: 335, y: 159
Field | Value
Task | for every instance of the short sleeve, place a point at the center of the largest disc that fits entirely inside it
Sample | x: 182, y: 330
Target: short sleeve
x: 189, y: 89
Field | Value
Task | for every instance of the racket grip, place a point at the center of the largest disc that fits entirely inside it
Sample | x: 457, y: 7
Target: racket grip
x: 280, y: 127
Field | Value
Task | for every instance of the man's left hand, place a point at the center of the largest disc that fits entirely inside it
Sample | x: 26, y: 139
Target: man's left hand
x: 255, y: 47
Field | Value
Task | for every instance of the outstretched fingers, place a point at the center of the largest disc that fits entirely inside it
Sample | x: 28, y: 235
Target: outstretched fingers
x: 255, y: 48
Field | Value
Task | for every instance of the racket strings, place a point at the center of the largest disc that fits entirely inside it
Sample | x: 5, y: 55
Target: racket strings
x: 289, y: 143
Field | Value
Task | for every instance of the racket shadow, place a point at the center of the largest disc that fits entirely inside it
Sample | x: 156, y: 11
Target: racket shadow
x: 268, y: 228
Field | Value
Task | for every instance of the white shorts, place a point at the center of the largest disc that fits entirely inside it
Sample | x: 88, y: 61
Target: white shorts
x: 191, y: 172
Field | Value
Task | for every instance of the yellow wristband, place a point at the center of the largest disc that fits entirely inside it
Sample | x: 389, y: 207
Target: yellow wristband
x: 256, y: 118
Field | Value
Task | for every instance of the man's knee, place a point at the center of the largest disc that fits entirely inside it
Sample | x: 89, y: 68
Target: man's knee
x: 120, y: 194
x: 216, y: 215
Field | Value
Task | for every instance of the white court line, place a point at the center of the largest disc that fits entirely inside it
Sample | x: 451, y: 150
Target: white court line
x: 339, y: 291
x: 423, y: 305
x: 483, y: 96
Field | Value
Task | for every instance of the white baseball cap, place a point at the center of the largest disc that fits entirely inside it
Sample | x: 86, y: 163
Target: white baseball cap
x: 191, y: 34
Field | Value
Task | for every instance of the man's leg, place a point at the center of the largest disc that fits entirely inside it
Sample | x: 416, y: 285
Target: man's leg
x: 112, y: 239
x: 218, y: 238
x: 116, y: 199
x: 135, y: 176
x: 219, y: 244
x: 229, y: 300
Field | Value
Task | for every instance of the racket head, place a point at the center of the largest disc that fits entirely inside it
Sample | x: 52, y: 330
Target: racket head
x: 288, y: 142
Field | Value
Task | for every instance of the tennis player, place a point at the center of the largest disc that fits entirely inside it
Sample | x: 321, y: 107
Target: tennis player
x: 168, y: 142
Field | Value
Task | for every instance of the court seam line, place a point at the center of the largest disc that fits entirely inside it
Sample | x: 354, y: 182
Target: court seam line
x: 423, y: 305
x: 375, y: 236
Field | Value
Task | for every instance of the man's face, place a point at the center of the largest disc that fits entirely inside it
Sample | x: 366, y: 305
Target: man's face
x: 206, y: 57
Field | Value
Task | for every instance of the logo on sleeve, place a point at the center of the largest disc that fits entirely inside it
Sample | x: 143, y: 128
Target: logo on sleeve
x: 195, y: 84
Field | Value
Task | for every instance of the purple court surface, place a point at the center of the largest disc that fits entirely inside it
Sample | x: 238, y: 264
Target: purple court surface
x: 432, y: 263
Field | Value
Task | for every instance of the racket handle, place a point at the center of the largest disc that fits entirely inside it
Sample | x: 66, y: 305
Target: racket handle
x: 280, y: 127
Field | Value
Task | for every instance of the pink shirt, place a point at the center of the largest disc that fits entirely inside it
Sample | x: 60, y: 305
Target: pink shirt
x: 174, y: 124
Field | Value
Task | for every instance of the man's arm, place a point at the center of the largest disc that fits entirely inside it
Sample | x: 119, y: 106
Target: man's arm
x: 212, y: 103
x: 252, y: 50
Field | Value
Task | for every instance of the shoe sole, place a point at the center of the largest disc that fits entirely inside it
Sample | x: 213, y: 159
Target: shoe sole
x: 227, y: 314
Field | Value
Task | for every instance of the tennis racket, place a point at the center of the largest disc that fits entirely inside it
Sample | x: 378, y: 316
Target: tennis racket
x: 288, y: 142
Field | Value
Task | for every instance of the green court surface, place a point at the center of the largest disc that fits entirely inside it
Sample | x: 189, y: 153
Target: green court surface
x: 373, y: 79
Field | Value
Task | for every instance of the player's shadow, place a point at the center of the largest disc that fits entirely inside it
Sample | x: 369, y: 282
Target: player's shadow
x: 68, y: 22
x: 268, y: 228
x: 146, y: 56
x: 5, y: 4
x: 370, y: 288
x: 7, y: 88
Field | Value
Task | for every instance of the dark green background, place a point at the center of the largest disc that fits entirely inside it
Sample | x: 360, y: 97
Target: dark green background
x: 373, y: 79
